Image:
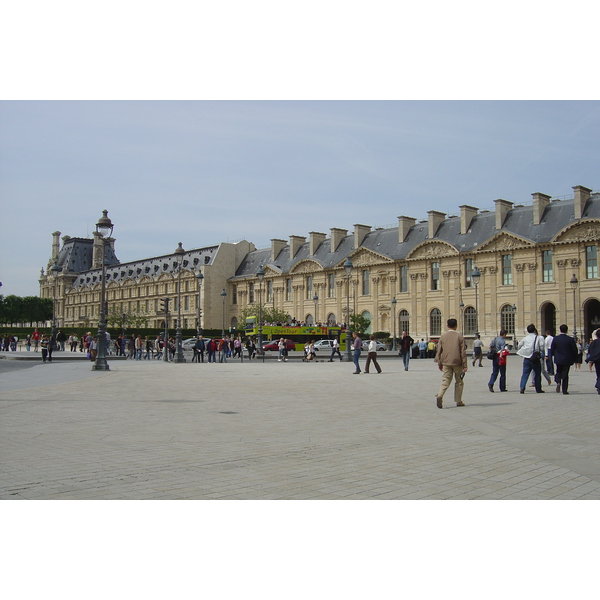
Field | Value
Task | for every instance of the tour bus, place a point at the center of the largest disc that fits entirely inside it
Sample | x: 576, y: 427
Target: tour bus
x: 296, y: 333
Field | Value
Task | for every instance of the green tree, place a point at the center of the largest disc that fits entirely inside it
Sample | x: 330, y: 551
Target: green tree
x: 27, y: 309
x: 359, y: 323
x: 133, y: 319
x: 269, y: 314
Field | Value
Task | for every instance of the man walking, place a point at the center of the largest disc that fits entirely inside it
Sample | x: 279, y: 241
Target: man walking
x: 498, y: 366
x: 531, y: 348
x: 564, y: 352
x: 548, y: 352
x: 451, y: 357
x: 357, y: 347
x: 335, y: 347
x: 406, y: 343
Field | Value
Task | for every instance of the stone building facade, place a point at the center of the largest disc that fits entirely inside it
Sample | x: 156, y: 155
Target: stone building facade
x: 412, y: 277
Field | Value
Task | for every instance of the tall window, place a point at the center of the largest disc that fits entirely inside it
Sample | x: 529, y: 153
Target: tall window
x: 435, y: 276
x: 367, y: 316
x: 435, y: 322
x: 404, y: 321
x: 468, y: 272
x: 269, y: 291
x: 186, y: 302
x: 506, y: 269
x: 309, y: 283
x: 250, y: 293
x: 591, y: 262
x: 331, y: 285
x: 547, y: 265
x: 288, y: 289
x: 403, y: 278
x: 365, y: 282
x: 507, y: 318
x: 470, y: 321
x: 233, y: 294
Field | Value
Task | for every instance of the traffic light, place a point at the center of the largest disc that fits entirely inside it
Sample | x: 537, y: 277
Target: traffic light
x: 164, y: 304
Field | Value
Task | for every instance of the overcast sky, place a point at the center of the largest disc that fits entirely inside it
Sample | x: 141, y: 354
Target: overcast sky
x: 202, y: 172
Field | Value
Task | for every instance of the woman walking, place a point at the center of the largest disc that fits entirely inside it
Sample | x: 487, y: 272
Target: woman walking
x: 372, y: 355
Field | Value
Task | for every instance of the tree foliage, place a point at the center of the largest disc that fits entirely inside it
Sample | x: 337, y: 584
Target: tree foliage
x: 359, y: 323
x: 268, y: 314
x: 25, y: 309
x: 133, y: 319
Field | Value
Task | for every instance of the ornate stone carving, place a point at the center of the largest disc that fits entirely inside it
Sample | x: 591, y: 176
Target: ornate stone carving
x: 375, y: 279
x: 575, y: 262
x: 307, y: 266
x: 582, y: 233
x: 365, y: 258
x: 532, y: 266
x: 493, y: 270
x: 423, y: 275
x: 519, y: 266
x: 561, y: 264
x: 434, y: 250
x: 414, y: 276
x: 446, y: 274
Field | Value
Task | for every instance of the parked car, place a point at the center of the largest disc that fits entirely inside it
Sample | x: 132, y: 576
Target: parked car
x: 323, y: 344
x: 189, y: 343
x: 274, y: 345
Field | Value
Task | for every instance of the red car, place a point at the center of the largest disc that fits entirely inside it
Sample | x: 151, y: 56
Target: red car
x: 274, y: 345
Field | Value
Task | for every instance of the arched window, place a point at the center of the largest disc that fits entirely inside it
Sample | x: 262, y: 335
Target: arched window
x: 470, y: 321
x: 331, y: 319
x: 367, y: 315
x: 309, y: 320
x: 435, y: 322
x: 234, y: 322
x: 507, y: 318
x: 404, y: 322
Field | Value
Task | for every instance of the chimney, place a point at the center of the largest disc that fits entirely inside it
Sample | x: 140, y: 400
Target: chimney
x: 582, y: 195
x: 314, y: 240
x: 540, y: 201
x: 466, y: 216
x: 276, y: 247
x: 360, y: 231
x: 404, y: 225
x: 97, y: 250
x: 502, y: 208
x: 296, y: 241
x: 337, y: 235
x: 435, y: 219
x: 55, y: 245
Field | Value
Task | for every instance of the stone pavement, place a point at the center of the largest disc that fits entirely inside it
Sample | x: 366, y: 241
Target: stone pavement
x: 154, y: 430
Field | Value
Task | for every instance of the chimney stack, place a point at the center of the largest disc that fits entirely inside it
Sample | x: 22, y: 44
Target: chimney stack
x: 296, y: 242
x: 276, y: 247
x: 360, y: 231
x: 582, y: 195
x: 540, y: 201
x: 435, y: 219
x: 55, y: 245
x: 97, y: 250
x: 315, y: 240
x: 502, y: 208
x: 337, y: 235
x: 466, y: 216
x: 404, y: 225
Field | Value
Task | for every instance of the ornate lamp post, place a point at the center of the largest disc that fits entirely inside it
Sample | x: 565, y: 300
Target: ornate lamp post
x: 394, y: 318
x: 223, y: 296
x: 261, y: 275
x: 461, y: 307
x: 348, y: 270
x: 179, y: 253
x: 475, y: 276
x: 104, y: 227
x: 574, y: 283
x: 199, y: 278
x: 55, y: 271
x: 316, y: 300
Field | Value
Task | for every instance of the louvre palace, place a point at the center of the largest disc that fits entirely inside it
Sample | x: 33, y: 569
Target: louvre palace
x: 535, y: 262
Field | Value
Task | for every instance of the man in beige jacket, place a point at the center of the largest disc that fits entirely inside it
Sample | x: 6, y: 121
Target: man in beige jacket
x: 451, y: 357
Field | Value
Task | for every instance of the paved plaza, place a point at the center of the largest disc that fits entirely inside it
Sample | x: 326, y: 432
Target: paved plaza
x: 274, y: 430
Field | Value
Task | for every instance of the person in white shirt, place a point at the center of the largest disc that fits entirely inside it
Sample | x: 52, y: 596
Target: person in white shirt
x: 547, y: 347
x: 372, y: 355
x: 531, y: 348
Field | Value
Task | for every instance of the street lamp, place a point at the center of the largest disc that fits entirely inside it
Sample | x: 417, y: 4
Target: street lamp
x: 461, y: 308
x: 199, y: 278
x: 179, y: 253
x: 55, y: 271
x: 475, y: 276
x: 348, y: 270
x: 223, y: 296
x: 574, y: 283
x: 394, y: 318
x: 104, y: 227
x: 261, y: 275
x: 315, y: 300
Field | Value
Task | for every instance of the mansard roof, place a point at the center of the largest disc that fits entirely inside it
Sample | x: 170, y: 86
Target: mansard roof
x: 518, y: 223
x: 76, y: 255
x: 148, y: 267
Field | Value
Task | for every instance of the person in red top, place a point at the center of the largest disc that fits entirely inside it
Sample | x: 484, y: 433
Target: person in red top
x: 35, y: 336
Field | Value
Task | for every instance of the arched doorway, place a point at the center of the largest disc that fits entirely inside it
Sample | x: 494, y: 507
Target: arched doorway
x: 367, y: 315
x: 548, y: 316
x: 591, y: 317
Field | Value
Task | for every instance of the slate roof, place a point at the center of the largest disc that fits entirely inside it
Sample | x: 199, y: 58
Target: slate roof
x: 557, y: 215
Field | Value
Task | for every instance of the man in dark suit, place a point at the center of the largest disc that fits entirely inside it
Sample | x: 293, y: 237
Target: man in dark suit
x: 564, y: 353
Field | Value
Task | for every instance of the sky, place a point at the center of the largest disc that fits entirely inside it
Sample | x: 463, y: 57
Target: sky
x: 203, y: 172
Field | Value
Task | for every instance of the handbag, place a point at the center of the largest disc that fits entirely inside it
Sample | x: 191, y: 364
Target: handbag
x: 491, y: 354
x: 535, y: 357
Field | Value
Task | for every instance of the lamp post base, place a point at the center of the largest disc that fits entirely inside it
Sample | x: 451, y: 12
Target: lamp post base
x: 100, y: 365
